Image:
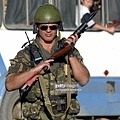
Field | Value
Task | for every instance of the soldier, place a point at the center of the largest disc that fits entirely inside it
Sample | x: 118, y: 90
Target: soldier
x: 53, y: 90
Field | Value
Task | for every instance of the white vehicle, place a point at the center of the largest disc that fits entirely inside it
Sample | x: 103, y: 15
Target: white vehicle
x: 100, y: 50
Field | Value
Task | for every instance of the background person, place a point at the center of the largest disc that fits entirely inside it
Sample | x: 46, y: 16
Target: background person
x: 85, y: 9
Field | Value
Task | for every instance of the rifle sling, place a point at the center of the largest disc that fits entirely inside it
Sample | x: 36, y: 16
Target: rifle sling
x: 46, y: 97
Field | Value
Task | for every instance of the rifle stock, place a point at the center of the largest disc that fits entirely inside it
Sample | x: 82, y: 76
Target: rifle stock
x: 62, y: 52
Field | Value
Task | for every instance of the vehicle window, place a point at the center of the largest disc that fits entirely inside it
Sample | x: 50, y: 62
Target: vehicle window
x: 96, y: 6
x: 1, y: 12
x: 67, y: 9
x: 114, y: 13
x: 19, y: 13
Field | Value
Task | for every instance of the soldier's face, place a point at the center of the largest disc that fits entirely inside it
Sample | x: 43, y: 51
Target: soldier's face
x: 48, y: 31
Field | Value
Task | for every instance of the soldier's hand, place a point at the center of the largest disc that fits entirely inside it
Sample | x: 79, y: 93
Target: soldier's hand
x: 72, y: 39
x: 40, y: 67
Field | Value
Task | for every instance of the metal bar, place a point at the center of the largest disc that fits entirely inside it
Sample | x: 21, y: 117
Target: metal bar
x: 27, y: 12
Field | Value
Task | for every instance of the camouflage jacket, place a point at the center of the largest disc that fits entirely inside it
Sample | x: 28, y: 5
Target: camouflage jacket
x: 55, y: 81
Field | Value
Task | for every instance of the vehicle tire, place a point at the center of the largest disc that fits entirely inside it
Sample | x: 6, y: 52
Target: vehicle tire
x: 11, y: 106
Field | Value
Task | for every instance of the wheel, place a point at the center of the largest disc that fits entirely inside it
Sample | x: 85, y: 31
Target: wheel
x: 11, y: 106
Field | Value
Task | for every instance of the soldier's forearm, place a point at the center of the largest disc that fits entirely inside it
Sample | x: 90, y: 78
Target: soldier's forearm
x: 16, y: 80
x: 80, y: 72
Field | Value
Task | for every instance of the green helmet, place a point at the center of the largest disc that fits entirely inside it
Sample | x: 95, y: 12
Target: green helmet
x: 48, y: 13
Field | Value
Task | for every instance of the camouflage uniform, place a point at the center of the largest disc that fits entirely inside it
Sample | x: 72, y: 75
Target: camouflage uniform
x: 32, y: 104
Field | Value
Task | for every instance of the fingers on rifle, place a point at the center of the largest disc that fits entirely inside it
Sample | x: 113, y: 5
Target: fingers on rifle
x: 50, y: 60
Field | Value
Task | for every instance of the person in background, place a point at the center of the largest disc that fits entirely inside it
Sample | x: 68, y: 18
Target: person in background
x: 48, y: 88
x: 85, y: 9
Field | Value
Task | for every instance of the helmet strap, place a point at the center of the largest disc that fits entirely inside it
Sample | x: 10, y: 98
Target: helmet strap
x: 34, y: 28
x: 60, y: 26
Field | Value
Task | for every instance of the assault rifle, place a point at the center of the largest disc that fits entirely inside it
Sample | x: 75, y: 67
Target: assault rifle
x: 36, y: 57
x: 64, y: 48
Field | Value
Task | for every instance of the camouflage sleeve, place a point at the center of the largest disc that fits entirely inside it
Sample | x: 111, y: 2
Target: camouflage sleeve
x: 20, y: 63
x: 77, y: 54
